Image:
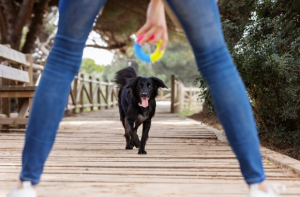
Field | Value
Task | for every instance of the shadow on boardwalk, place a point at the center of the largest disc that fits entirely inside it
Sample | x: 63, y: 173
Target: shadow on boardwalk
x: 89, y: 159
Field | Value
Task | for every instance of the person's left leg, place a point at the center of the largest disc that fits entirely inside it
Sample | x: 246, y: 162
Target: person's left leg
x: 76, y: 18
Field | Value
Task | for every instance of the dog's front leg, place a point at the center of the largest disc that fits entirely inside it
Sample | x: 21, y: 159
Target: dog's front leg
x: 132, y: 132
x: 146, y: 128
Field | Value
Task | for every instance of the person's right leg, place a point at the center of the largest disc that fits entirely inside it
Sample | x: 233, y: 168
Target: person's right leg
x: 76, y: 18
x: 201, y: 22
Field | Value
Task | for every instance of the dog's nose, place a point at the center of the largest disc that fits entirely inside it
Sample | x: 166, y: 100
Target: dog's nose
x: 144, y: 94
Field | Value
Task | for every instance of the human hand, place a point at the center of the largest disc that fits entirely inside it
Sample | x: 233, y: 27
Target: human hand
x: 155, y: 25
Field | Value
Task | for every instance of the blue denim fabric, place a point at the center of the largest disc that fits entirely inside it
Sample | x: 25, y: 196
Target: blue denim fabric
x: 76, y: 18
x: 201, y: 22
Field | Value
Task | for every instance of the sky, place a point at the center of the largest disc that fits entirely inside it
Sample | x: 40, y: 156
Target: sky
x: 100, y: 56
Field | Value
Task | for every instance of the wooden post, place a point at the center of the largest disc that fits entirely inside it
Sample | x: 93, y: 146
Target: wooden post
x: 5, y: 103
x: 98, y: 94
x: 172, y: 93
x: 176, y: 91
x: 81, y: 93
x: 91, y: 92
x: 75, y: 86
x: 29, y: 59
x: 112, y: 96
x: 181, y: 97
x: 107, y: 95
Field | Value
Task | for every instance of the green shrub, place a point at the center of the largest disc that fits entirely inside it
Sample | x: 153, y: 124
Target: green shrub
x: 268, y: 59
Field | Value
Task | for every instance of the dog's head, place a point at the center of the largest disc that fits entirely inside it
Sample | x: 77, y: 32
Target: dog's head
x: 145, y: 88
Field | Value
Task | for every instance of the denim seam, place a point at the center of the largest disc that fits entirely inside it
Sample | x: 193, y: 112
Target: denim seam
x: 33, y: 182
x: 60, y: 50
x: 40, y: 141
x: 70, y: 39
x: 255, y: 180
x: 56, y: 80
x: 213, y: 51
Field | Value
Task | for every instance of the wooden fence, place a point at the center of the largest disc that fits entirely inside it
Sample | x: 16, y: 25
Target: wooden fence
x: 178, y: 94
x: 19, y: 76
x: 91, y: 94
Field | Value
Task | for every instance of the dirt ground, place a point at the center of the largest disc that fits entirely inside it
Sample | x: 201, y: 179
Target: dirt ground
x: 213, y: 121
x: 209, y: 120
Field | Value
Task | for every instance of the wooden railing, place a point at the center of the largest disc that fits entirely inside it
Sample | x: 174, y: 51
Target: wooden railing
x: 18, y: 69
x: 89, y: 94
x: 178, y: 94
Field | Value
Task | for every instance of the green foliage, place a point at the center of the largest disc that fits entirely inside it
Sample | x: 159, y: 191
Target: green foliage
x: 89, y: 67
x: 267, y: 57
x: 110, y: 70
x: 178, y: 60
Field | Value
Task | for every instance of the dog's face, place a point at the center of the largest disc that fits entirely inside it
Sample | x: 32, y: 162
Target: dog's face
x: 145, y: 88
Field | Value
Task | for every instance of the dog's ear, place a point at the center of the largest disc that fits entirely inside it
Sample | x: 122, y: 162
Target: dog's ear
x: 132, y: 84
x: 158, y: 83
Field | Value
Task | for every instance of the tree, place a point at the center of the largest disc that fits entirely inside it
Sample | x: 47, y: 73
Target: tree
x: 117, y: 22
x: 178, y: 60
x: 266, y: 54
x: 89, y: 67
x: 15, y: 16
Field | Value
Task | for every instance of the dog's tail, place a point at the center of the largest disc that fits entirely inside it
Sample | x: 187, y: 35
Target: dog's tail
x: 124, y: 74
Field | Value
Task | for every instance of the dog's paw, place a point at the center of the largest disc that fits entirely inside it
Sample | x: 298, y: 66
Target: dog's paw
x: 142, y: 152
x: 129, y: 147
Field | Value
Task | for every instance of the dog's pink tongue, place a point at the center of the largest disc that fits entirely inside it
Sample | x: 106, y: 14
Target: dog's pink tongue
x: 145, y: 102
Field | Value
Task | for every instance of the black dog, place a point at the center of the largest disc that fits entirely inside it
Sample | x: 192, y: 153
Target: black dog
x: 137, y: 104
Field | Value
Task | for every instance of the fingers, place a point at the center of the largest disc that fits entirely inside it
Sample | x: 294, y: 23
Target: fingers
x: 165, y: 40
x: 147, y: 36
x: 156, y: 38
x: 149, y: 30
x: 143, y: 29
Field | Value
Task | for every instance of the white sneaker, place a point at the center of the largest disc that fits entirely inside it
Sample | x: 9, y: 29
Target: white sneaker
x: 273, y: 191
x: 26, y: 191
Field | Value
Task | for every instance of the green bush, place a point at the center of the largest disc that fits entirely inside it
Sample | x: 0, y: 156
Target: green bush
x: 268, y: 59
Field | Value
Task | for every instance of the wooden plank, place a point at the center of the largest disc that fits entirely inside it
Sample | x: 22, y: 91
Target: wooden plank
x: 13, y: 55
x: 13, y: 74
x: 24, y: 109
x: 11, y: 94
x: 5, y: 102
x: 89, y: 158
x: 29, y: 69
x: 17, y: 88
x: 13, y: 121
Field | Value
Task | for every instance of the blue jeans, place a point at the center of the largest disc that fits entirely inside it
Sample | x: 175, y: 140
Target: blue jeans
x: 201, y: 22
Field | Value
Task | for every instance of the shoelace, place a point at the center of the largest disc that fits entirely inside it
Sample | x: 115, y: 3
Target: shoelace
x: 278, y: 188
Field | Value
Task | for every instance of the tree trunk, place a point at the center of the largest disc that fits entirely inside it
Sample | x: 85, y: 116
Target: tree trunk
x: 10, y: 15
x: 20, y: 22
x: 3, y: 29
x: 35, y: 26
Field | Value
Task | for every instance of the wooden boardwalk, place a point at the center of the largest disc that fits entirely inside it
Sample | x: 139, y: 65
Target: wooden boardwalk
x: 89, y: 159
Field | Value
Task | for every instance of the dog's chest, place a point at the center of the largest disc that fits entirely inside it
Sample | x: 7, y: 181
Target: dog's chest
x: 142, y: 118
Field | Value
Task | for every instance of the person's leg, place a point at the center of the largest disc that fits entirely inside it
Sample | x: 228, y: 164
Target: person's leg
x: 201, y: 22
x: 76, y: 18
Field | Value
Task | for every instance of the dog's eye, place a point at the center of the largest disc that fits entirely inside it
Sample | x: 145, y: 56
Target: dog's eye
x: 149, y: 86
x: 141, y: 85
